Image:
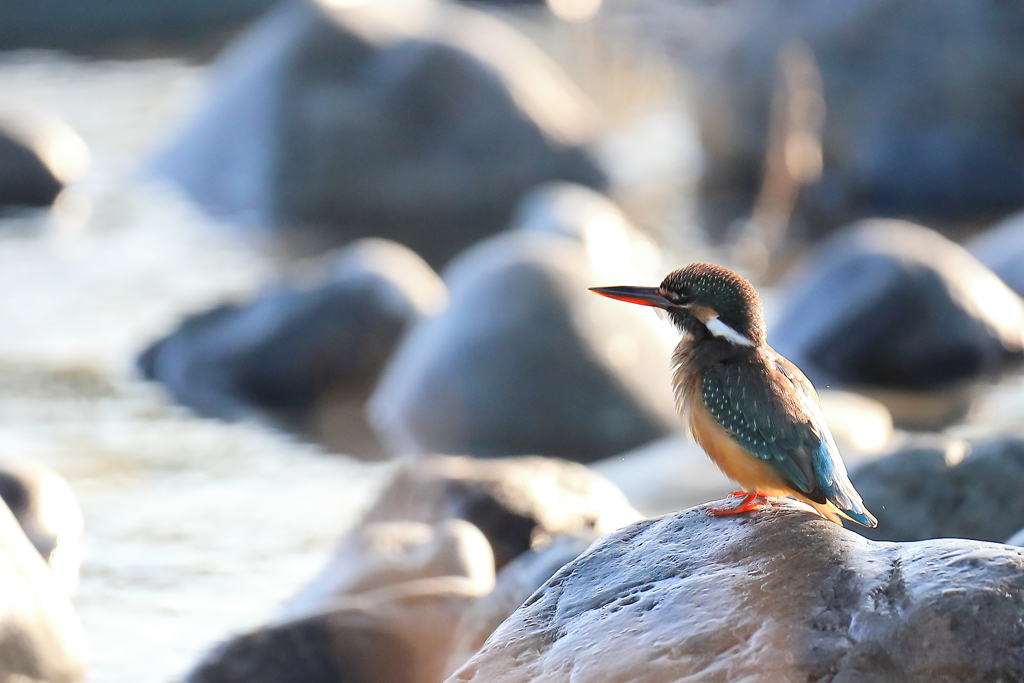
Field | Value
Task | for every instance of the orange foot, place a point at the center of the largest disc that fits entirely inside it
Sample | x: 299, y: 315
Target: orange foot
x: 751, y: 501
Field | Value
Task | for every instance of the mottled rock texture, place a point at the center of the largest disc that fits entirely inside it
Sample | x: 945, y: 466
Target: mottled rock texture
x: 778, y: 595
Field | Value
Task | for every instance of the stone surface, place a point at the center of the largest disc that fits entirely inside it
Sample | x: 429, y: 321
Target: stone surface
x: 1017, y: 539
x: 778, y: 595
x: 939, y: 139
x: 513, y: 586
x: 382, y: 554
x: 124, y: 28
x: 39, y: 154
x: 1001, y: 249
x: 526, y: 361
x: 518, y: 503
x: 886, y: 307
x: 417, y: 121
x: 675, y: 473
x: 938, y: 486
x: 40, y: 636
x: 46, y: 509
x: 304, y: 356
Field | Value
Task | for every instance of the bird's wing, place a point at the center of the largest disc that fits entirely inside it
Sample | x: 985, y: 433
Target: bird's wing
x: 770, y: 409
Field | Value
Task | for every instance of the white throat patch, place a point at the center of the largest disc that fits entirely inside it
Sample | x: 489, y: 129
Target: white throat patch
x: 720, y: 329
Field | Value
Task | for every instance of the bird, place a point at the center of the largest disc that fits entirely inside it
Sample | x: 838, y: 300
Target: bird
x: 750, y: 409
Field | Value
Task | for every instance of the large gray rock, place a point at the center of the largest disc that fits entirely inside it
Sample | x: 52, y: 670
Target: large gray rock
x: 940, y: 138
x: 41, y: 639
x: 526, y: 360
x: 303, y: 356
x: 39, y: 154
x: 417, y: 121
x: 779, y: 595
x: 887, y: 307
x: 936, y: 487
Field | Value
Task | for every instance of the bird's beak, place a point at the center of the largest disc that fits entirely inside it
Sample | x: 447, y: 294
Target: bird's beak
x: 645, y: 296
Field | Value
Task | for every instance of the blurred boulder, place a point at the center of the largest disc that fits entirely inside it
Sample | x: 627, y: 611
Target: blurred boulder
x: 45, y: 507
x: 124, y: 28
x: 513, y: 586
x: 900, y: 313
x: 1001, y: 249
x: 39, y: 154
x: 940, y: 139
x: 305, y: 356
x: 938, y: 486
x: 378, y: 555
x: 40, y: 636
x: 416, y: 121
x: 526, y: 360
x: 1017, y: 539
x: 518, y: 503
x: 779, y: 595
x: 675, y: 473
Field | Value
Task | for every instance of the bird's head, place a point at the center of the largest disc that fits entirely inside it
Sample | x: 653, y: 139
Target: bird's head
x: 705, y: 301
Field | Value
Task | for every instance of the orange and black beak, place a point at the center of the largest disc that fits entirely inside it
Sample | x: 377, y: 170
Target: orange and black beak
x: 645, y: 296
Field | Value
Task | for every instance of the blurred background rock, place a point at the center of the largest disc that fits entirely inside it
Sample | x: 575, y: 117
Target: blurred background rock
x: 184, y: 191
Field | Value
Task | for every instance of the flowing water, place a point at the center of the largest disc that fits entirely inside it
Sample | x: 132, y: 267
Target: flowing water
x: 194, y: 529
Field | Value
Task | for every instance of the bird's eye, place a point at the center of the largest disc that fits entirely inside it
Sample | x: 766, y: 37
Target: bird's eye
x: 675, y: 297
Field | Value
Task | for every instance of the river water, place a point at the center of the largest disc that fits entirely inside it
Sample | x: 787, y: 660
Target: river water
x: 194, y: 529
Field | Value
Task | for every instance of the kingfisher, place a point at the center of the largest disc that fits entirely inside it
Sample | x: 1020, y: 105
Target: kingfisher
x: 751, y: 410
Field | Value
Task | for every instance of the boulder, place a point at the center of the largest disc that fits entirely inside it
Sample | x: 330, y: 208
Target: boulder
x: 303, y: 356
x: 1001, y: 249
x: 778, y: 595
x: 124, y: 28
x: 939, y: 139
x: 675, y: 473
x: 1017, y: 539
x: 519, y: 503
x: 417, y: 121
x: 900, y: 313
x: 45, y: 508
x: 938, y: 486
x: 526, y: 360
x: 39, y: 154
x: 40, y: 636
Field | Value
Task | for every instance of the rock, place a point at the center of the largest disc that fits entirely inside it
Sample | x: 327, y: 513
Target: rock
x: 39, y: 154
x: 780, y: 595
x: 383, y: 554
x: 402, y: 635
x: 513, y: 586
x: 1001, y: 249
x: 518, y: 503
x: 526, y: 360
x: 416, y: 121
x: 675, y: 473
x: 936, y: 487
x: 46, y: 509
x: 40, y: 636
x: 304, y: 356
x: 124, y: 28
x: 897, y: 312
x: 938, y: 140
x: 1017, y: 539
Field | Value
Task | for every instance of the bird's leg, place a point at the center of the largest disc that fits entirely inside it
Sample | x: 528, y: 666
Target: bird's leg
x: 752, y: 500
x: 737, y: 494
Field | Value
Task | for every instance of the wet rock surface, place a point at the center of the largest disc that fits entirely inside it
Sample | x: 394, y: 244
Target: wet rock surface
x: 777, y: 595
x: 526, y: 360
x: 40, y: 636
x: 940, y: 486
x: 887, y: 307
x: 304, y: 356
x: 419, y: 122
